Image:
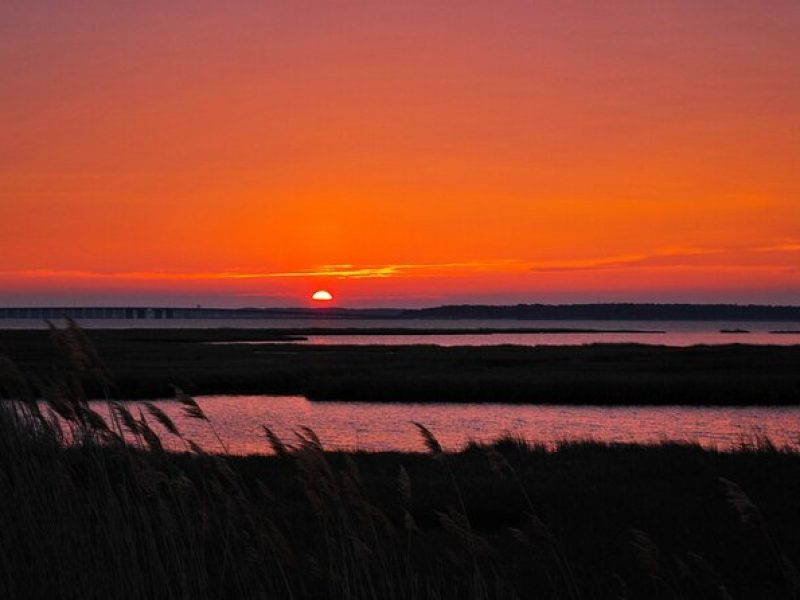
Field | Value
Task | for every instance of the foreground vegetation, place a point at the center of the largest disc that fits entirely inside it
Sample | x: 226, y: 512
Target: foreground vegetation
x: 106, y: 519
x: 145, y: 362
x: 96, y: 509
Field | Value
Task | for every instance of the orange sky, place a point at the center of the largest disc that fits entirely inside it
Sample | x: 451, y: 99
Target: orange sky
x: 399, y: 153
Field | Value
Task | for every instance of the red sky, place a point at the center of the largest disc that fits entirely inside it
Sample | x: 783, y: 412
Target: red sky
x: 399, y: 153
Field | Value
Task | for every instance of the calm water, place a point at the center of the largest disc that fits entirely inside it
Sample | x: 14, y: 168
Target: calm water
x: 376, y: 427
x: 677, y: 333
x: 668, y: 338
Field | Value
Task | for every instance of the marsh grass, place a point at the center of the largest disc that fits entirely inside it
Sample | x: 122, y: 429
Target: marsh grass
x: 145, y: 362
x: 96, y: 508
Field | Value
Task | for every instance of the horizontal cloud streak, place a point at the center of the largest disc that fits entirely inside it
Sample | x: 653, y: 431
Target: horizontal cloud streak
x: 780, y: 255
x: 334, y: 271
x: 685, y: 257
x: 784, y: 247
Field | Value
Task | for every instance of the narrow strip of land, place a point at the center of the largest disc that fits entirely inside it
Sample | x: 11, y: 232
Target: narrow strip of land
x: 145, y: 363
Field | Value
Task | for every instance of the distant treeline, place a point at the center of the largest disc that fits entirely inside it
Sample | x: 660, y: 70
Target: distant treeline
x: 621, y: 311
x: 592, y: 312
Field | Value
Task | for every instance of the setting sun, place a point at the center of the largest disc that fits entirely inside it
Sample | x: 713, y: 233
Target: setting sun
x: 322, y: 296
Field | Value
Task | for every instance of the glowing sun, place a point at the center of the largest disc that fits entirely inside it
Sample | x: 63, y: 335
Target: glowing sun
x: 322, y: 296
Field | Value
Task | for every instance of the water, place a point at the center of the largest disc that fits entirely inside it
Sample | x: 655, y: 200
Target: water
x: 676, y: 333
x: 380, y: 427
x: 667, y: 338
x: 385, y: 427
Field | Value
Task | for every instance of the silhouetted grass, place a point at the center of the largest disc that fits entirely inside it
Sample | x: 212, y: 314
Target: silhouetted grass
x: 91, y: 508
x: 143, y: 362
x: 94, y: 508
x: 103, y: 519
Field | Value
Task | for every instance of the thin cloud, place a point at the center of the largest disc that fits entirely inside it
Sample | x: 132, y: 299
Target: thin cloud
x: 784, y: 247
x: 407, y: 270
x: 342, y: 271
x: 672, y: 255
x: 681, y: 256
x: 666, y: 257
x: 608, y: 262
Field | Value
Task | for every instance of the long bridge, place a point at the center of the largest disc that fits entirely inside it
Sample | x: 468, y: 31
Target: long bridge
x: 139, y: 312
x: 111, y: 312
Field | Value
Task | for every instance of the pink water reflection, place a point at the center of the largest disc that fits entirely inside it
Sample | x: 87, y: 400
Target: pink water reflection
x: 378, y: 427
x: 667, y: 338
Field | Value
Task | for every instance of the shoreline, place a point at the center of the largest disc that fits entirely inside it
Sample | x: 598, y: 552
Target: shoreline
x: 145, y: 363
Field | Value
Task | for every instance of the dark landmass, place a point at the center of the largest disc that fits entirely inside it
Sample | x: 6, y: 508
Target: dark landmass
x: 143, y: 364
x: 94, y: 508
x: 788, y: 331
x: 502, y: 521
x: 590, y: 312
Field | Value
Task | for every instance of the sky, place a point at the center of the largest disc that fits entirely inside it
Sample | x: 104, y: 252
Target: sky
x: 248, y: 153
